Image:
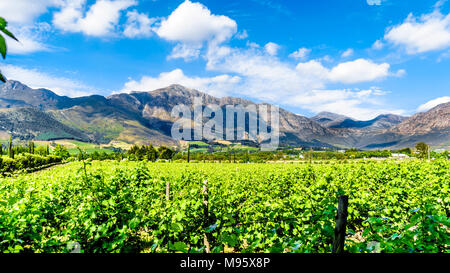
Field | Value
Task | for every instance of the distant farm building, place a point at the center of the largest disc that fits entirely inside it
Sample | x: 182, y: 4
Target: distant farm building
x: 400, y: 156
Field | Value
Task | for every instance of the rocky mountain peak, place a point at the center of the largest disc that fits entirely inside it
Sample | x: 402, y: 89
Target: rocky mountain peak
x: 437, y: 118
x: 14, y: 85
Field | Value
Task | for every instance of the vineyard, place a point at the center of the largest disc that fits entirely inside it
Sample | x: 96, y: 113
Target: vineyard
x: 110, y: 206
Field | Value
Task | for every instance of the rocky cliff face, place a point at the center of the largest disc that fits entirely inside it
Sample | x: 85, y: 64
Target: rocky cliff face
x: 434, y: 120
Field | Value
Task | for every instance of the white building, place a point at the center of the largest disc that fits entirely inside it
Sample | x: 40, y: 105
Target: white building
x: 400, y: 156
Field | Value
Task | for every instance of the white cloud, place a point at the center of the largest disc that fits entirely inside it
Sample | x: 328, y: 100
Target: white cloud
x: 21, y: 16
x: 326, y: 59
x: 216, y: 86
x: 25, y: 11
x: 432, y: 103
x: 30, y: 39
x: 301, y: 53
x: 374, y: 2
x: 400, y: 73
x: 253, y: 44
x: 242, y: 35
x: 443, y: 56
x: 267, y: 78
x: 314, y: 70
x: 100, y: 20
x: 360, y: 70
x: 349, y: 52
x: 192, y: 25
x: 25, y: 46
x: 185, y: 51
x: 377, y: 45
x: 138, y: 25
x: 272, y: 48
x: 358, y: 104
x: 439, y: 3
x: 37, y: 79
x: 428, y: 33
x: 260, y: 73
x: 195, y: 30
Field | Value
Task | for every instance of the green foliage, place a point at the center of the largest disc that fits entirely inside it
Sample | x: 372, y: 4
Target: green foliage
x: 406, y: 151
x: 3, y: 47
x: 41, y: 150
x: 61, y: 151
x: 109, y: 207
x: 149, y: 153
x: 165, y: 153
x: 425, y: 231
x: 26, y: 162
x: 31, y: 147
x: 422, y: 150
x: 10, y: 149
x: 237, y: 154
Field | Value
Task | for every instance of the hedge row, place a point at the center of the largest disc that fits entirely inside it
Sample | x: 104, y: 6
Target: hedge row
x: 25, y: 162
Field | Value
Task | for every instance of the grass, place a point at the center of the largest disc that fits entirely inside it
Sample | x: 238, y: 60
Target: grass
x: 71, y: 145
x: 199, y: 144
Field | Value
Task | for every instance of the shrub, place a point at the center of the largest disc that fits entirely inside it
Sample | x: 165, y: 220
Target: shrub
x: 26, y: 161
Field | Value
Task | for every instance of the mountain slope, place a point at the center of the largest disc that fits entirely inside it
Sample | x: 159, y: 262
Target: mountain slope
x: 23, y: 95
x: 328, y: 119
x: 436, y: 119
x: 156, y: 107
x: 144, y: 117
x: 32, y: 123
x: 331, y: 120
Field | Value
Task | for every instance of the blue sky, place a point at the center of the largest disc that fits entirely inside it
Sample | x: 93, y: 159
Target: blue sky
x: 360, y: 58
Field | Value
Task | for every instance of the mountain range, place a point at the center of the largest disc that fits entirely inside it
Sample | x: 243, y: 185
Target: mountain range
x: 144, y: 117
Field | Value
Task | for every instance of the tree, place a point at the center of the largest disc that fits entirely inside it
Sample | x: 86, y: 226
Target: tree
x: 149, y: 152
x: 146, y: 152
x: 406, y: 151
x: 3, y: 48
x: 422, y: 149
x: 10, y: 148
x: 40, y: 150
x: 61, y: 151
x: 246, y: 157
x: 30, y: 147
x: 134, y: 152
x: 165, y: 153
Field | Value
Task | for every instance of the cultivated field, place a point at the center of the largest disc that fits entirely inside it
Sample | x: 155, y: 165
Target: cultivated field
x: 112, y: 206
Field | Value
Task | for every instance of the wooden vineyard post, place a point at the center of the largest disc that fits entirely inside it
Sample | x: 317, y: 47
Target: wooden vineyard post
x: 341, y: 225
x: 205, y: 215
x: 167, y: 191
